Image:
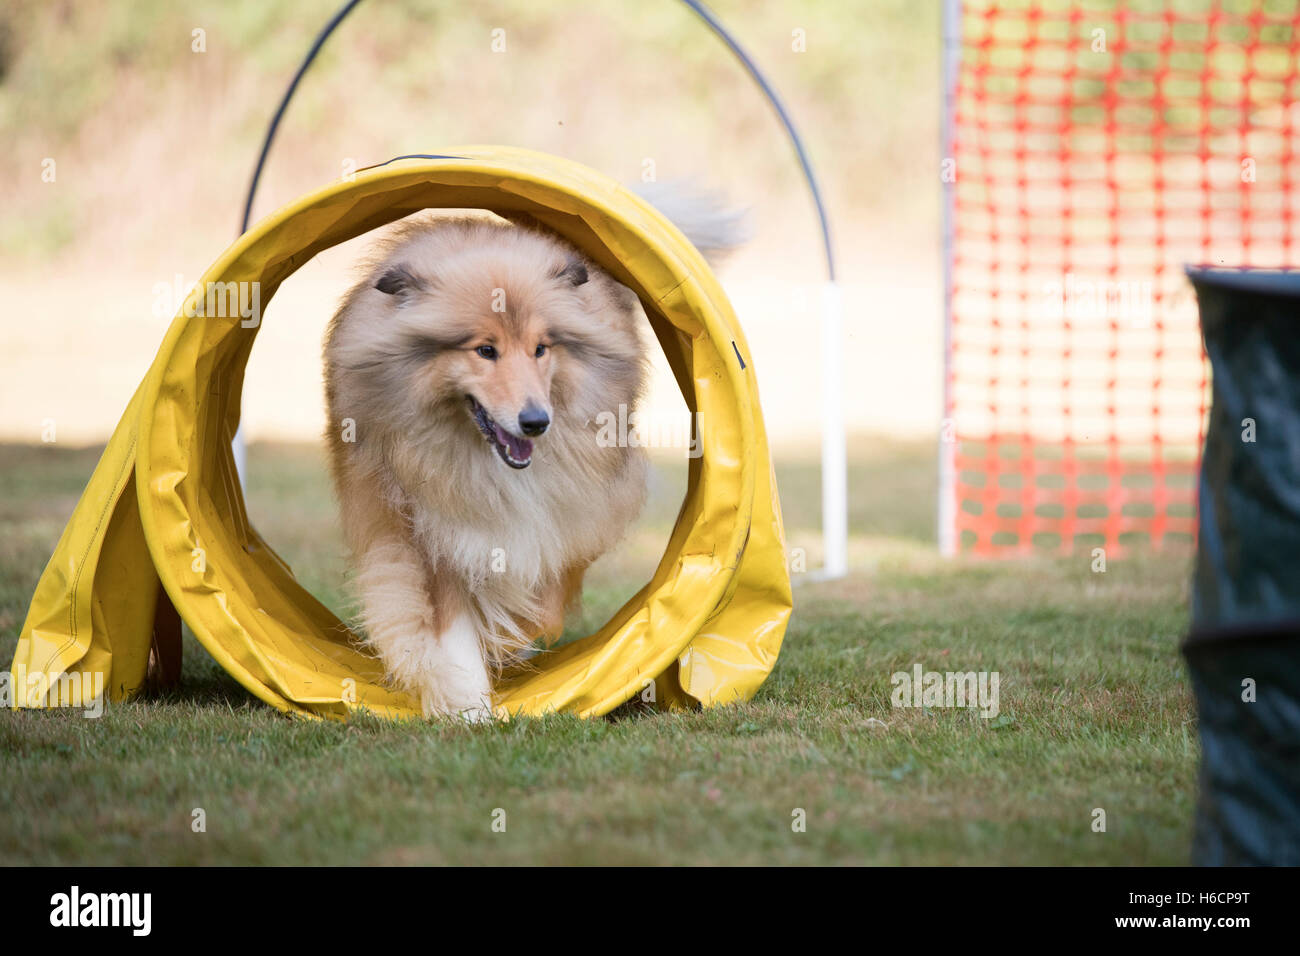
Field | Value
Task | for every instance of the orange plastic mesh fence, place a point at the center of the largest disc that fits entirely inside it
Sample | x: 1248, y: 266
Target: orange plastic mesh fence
x: 1097, y: 149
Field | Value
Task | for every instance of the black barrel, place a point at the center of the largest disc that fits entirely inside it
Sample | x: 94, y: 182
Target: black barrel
x: 1243, y: 647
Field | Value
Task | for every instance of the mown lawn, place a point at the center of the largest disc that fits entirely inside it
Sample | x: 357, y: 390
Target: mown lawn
x: 1095, y: 713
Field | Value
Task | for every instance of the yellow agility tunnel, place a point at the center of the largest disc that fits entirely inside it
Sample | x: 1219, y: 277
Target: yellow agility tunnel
x: 161, y: 533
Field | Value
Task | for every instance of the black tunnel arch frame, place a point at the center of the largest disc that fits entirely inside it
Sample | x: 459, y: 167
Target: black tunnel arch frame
x: 699, y: 9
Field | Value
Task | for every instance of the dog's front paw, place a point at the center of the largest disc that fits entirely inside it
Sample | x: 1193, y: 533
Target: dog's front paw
x: 446, y: 671
x: 436, y: 704
x: 478, y: 715
x: 457, y: 688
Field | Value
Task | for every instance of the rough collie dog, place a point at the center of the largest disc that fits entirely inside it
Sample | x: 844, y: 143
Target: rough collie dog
x: 464, y: 376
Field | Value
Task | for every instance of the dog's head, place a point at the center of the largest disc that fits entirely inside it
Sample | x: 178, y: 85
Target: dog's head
x: 497, y: 329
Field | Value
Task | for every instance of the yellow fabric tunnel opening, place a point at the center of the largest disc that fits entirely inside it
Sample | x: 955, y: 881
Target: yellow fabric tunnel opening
x: 164, y: 506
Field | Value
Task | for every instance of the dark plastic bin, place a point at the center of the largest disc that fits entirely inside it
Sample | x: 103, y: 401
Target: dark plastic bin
x: 1244, y: 640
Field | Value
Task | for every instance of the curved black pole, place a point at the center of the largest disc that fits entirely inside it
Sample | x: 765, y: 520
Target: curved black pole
x: 757, y: 76
x: 700, y: 10
x: 324, y: 35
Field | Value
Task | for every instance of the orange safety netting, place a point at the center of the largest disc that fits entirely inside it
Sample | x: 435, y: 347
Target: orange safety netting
x: 1095, y: 150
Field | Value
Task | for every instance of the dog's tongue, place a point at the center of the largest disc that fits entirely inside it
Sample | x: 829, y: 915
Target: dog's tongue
x: 521, y: 449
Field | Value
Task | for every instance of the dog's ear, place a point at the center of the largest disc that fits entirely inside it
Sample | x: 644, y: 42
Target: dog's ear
x: 575, y: 271
x: 398, y: 280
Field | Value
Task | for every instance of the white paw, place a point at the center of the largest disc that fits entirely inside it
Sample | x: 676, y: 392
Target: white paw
x: 435, y: 702
x: 478, y: 715
x: 457, y: 682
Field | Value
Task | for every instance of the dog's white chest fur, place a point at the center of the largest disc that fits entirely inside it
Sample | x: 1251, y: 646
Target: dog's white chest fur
x: 510, y: 533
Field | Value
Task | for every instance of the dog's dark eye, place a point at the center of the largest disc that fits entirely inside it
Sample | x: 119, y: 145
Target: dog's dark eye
x: 541, y: 350
x: 487, y: 351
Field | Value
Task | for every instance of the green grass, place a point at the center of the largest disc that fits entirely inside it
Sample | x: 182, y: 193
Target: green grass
x: 1095, y: 712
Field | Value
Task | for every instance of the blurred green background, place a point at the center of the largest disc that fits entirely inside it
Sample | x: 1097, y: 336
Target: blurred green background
x: 153, y: 145
x: 155, y: 142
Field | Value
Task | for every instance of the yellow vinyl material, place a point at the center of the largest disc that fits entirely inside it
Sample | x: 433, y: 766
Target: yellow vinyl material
x: 164, y: 504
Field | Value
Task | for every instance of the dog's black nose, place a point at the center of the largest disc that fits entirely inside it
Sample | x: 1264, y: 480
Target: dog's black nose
x: 533, y: 421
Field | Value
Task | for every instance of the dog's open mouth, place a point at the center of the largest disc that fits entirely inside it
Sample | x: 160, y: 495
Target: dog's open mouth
x: 514, y: 451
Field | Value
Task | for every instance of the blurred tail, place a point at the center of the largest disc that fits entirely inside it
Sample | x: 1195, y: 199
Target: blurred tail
x: 705, y: 217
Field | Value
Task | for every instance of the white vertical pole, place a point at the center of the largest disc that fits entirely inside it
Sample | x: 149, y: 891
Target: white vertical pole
x: 947, y: 504
x: 835, y: 479
x: 241, y: 456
